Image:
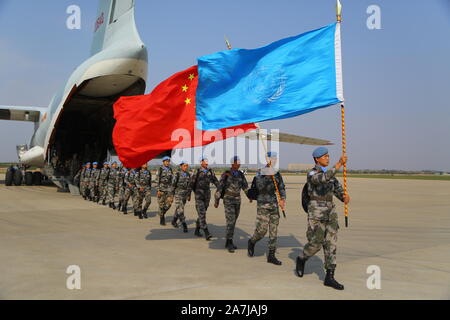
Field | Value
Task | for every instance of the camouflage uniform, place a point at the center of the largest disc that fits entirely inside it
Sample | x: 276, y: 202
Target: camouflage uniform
x: 164, y: 177
x: 232, y: 182
x: 121, y: 186
x: 201, y: 180
x: 103, y: 183
x: 130, y: 189
x: 322, y: 217
x: 182, y: 188
x: 84, y: 183
x: 144, y: 182
x: 267, y: 215
x: 78, y: 178
x: 112, y: 186
x: 93, y: 184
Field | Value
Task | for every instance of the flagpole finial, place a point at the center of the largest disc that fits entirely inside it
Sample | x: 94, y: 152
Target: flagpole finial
x: 228, y: 43
x: 338, y: 11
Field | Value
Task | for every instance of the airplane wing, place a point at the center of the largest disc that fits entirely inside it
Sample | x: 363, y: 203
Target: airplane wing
x: 32, y: 114
x: 286, y: 137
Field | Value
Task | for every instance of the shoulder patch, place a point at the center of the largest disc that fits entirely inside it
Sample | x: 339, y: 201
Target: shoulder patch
x: 312, y: 172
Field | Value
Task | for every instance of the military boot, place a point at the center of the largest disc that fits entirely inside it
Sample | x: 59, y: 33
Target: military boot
x: 232, y: 244
x: 185, y: 229
x: 331, y: 282
x: 140, y: 215
x: 124, y: 208
x: 229, y: 245
x: 144, y: 213
x: 197, y: 230
x: 162, y: 221
x: 272, y: 259
x: 300, y: 266
x: 104, y: 203
x: 119, y: 206
x: 208, y: 236
x: 136, y: 213
x: 251, y: 248
x: 174, y: 222
x: 113, y: 206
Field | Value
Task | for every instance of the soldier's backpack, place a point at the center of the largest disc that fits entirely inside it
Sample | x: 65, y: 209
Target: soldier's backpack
x: 253, y: 192
x: 305, y: 197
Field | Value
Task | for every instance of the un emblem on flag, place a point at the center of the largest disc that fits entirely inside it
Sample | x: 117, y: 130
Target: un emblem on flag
x: 266, y: 84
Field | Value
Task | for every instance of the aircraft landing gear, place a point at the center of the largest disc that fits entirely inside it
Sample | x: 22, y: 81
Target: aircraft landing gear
x: 9, y: 176
x: 18, y: 177
x: 28, y: 178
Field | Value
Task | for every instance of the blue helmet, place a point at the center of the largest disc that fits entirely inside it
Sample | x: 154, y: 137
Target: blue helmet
x: 95, y: 163
x: 166, y: 158
x: 234, y: 159
x: 319, y: 152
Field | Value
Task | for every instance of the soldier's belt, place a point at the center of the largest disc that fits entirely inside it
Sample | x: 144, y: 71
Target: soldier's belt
x: 232, y: 194
x: 327, y: 198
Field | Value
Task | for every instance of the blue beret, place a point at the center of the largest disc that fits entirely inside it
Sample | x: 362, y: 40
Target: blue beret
x: 106, y: 162
x: 319, y: 152
x: 88, y: 163
x: 234, y: 159
x: 272, y: 154
x: 165, y: 158
x: 183, y: 162
x: 95, y: 163
x: 114, y: 162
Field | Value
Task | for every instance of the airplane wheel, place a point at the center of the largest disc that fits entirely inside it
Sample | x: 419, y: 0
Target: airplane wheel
x: 37, y: 178
x: 9, y: 177
x: 18, y: 177
x: 29, y: 178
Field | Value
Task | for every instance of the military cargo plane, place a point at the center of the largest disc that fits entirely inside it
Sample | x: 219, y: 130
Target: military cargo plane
x: 77, y: 125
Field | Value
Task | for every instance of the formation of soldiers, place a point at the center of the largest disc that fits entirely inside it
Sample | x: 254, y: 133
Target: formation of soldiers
x: 267, y: 188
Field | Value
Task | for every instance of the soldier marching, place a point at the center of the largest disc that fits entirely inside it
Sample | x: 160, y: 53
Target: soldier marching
x: 182, y: 188
x: 322, y: 217
x: 230, y: 185
x: 164, y: 192
x: 201, y: 181
x: 268, y: 183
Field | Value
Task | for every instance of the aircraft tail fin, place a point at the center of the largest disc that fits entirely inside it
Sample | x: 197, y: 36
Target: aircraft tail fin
x: 115, y: 21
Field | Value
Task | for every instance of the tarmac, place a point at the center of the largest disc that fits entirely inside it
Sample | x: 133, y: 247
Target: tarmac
x: 402, y: 227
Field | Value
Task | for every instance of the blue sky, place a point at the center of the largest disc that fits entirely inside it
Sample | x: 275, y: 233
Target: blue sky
x: 396, y: 79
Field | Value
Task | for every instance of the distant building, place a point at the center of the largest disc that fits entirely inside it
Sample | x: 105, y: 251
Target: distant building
x: 299, y: 167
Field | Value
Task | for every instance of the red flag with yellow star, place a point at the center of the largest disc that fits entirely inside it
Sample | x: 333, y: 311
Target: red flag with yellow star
x: 147, y: 125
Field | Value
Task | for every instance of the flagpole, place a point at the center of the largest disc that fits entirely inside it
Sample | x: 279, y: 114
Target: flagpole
x: 344, y: 141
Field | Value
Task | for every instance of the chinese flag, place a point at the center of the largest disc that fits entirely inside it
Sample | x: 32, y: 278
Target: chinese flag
x: 147, y: 125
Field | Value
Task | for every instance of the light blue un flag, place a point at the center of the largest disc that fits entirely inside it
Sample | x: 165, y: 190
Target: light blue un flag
x: 287, y: 78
